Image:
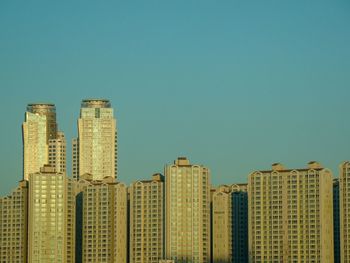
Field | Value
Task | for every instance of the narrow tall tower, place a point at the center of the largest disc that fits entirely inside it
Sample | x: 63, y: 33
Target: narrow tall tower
x: 147, y: 220
x: 187, y: 212
x: 94, y: 152
x: 344, y: 207
x: 39, y: 129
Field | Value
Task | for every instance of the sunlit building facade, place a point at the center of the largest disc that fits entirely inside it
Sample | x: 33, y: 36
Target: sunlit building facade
x: 187, y: 212
x: 147, y: 220
x: 344, y: 205
x: 291, y: 215
x: 13, y: 225
x: 104, y: 222
x: 222, y: 225
x: 50, y: 226
x: 57, y: 153
x: 38, y: 129
x: 95, y: 149
x: 230, y: 223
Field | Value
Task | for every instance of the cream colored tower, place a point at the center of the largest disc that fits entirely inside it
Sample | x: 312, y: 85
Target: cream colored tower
x: 50, y: 227
x: 291, y: 215
x: 344, y: 206
x: 57, y: 153
x: 97, y: 140
x: 187, y: 212
x: 147, y: 220
x: 222, y: 225
x: 104, y: 222
x: 13, y: 225
x: 38, y: 129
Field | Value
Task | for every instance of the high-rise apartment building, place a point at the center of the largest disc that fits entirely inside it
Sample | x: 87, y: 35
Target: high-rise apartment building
x: 230, y: 224
x: 344, y: 204
x: 95, y: 149
x: 336, y: 220
x: 239, y: 199
x: 13, y: 225
x: 187, y: 212
x: 75, y: 158
x: 50, y: 224
x: 104, y: 222
x: 147, y: 220
x: 291, y: 215
x: 222, y: 225
x: 38, y: 129
x: 57, y: 153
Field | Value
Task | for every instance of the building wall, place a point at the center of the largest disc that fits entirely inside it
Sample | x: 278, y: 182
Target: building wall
x: 75, y: 159
x: 48, y: 211
x: 57, y: 153
x: 291, y: 215
x: 38, y: 128
x: 344, y: 202
x: 230, y: 223
x: 187, y: 212
x: 147, y: 220
x: 13, y: 225
x: 239, y: 208
x: 97, y: 140
x: 222, y: 226
x: 104, y: 222
x: 336, y: 221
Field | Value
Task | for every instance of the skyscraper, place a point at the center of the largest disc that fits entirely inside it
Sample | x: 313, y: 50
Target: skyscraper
x: 57, y: 153
x: 48, y: 220
x: 187, y: 212
x: 239, y: 200
x: 344, y: 204
x: 222, y: 225
x: 38, y: 129
x: 104, y: 224
x: 13, y: 225
x: 230, y: 223
x: 336, y: 220
x: 147, y: 217
x: 95, y: 149
x: 291, y: 215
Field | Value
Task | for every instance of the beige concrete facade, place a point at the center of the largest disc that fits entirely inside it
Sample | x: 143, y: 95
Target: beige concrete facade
x: 50, y: 226
x: 38, y: 129
x: 187, y: 212
x: 13, y: 225
x: 229, y: 227
x: 222, y: 225
x: 344, y: 206
x: 57, y: 153
x: 96, y: 152
x: 147, y: 220
x: 104, y: 222
x: 291, y: 215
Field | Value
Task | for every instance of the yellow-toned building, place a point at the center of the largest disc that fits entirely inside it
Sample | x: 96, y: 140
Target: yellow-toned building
x: 230, y: 223
x: 13, y: 225
x: 222, y: 225
x: 187, y: 212
x: 95, y: 149
x: 147, y: 220
x: 38, y: 129
x: 291, y: 215
x: 104, y: 221
x: 57, y: 153
x: 51, y: 217
x: 344, y: 206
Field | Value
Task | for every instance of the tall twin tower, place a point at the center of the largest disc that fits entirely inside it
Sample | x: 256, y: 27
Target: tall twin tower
x: 94, y: 151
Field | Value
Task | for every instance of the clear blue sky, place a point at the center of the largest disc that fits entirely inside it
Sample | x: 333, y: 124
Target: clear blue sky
x: 233, y: 85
